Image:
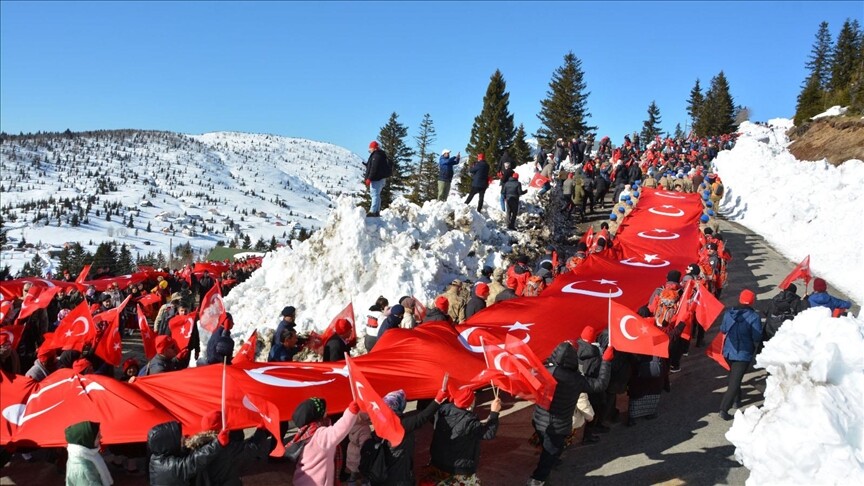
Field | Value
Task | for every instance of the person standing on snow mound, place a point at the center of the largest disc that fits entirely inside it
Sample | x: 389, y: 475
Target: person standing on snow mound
x: 821, y: 298
x: 512, y: 192
x: 743, y: 329
x: 479, y: 181
x: 445, y: 172
x: 377, y: 171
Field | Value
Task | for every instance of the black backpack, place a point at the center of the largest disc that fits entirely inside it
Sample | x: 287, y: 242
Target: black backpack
x: 375, y: 459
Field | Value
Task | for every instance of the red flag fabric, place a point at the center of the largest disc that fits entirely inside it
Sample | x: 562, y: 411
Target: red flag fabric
x: 588, y: 237
x: 707, y: 307
x: 150, y: 300
x: 65, y: 398
x: 36, y: 298
x: 12, y: 334
x: 640, y: 336
x: 419, y: 310
x: 801, y: 271
x: 535, y: 366
x: 538, y: 181
x: 5, y: 309
x: 16, y: 389
x: 270, y: 419
x: 507, y: 372
x: 715, y: 350
x: 386, y: 422
x: 212, y: 309
x: 181, y: 328
x: 147, y: 337
x: 110, y: 346
x: 82, y: 276
x: 76, y: 329
x: 346, y: 313
x: 246, y: 353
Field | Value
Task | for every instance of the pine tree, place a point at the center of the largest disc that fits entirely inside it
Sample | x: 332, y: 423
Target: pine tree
x: 564, y: 112
x: 130, y: 224
x: 651, y: 126
x: 74, y: 222
x: 821, y: 57
x: 106, y: 256
x: 392, y: 140
x: 809, y: 101
x: 261, y: 245
x: 124, y: 261
x: 428, y: 178
x: 717, y: 115
x: 272, y: 246
x: 694, y: 106
x: 493, y: 129
x: 678, y: 134
x: 520, y: 150
x: 425, y: 139
x: 846, y: 61
x: 247, y: 242
x: 148, y: 226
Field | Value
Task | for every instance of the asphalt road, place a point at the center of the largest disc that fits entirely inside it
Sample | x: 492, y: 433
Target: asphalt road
x: 685, y: 444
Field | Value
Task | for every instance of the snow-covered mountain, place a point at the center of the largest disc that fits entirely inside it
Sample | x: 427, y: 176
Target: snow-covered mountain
x: 199, y: 189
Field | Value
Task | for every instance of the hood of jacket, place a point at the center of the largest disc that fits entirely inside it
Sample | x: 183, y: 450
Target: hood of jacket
x: 460, y: 421
x: 164, y: 439
x: 565, y: 356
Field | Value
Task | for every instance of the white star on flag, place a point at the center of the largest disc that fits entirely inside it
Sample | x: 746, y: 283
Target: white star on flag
x: 518, y: 326
x: 650, y: 258
x: 660, y: 230
x: 607, y: 282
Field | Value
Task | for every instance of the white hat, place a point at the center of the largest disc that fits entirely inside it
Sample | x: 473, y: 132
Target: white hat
x: 445, y: 151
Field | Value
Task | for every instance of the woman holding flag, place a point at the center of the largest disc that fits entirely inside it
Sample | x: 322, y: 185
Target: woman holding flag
x: 322, y: 454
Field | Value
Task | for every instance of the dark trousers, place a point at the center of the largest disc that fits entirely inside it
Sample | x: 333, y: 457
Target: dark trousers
x: 553, y: 446
x: 733, y: 389
x: 479, y: 191
x: 619, y: 188
x: 512, y: 211
x: 677, y: 348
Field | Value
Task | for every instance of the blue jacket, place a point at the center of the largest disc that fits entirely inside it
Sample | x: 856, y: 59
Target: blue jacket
x: 445, y: 167
x: 743, y: 329
x: 824, y: 299
x: 480, y: 175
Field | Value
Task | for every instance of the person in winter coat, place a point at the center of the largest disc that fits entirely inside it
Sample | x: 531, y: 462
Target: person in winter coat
x: 821, y: 298
x: 553, y: 425
x: 477, y: 302
x: 784, y: 306
x: 322, y: 456
x: 512, y: 191
x: 85, y: 466
x: 400, y: 471
x: 495, y: 286
x: 359, y: 434
x: 457, y: 300
x: 392, y: 321
x: 455, y: 447
x: 505, y: 173
x: 170, y: 465
x: 336, y: 347
x: 230, y: 461
x: 167, y: 357
x: 743, y: 329
x: 220, y: 346
x: 166, y: 312
x: 45, y: 364
x: 286, y: 347
x: 479, y: 180
x: 377, y: 171
x: 408, y: 319
x: 439, y: 311
x: 376, y: 314
x: 445, y: 172
x: 589, y: 365
x: 601, y: 185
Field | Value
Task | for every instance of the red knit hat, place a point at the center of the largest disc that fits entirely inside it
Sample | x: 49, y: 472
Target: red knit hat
x: 482, y: 290
x: 342, y: 326
x: 747, y: 297
x: 481, y: 157
x: 819, y: 285
x: 588, y: 334
x: 163, y: 343
x: 373, y: 145
x: 463, y: 398
x: 442, y: 304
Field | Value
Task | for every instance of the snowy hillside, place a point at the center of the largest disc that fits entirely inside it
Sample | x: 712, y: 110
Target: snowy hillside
x: 199, y: 189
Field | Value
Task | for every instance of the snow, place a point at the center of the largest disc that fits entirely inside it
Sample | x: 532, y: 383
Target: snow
x: 833, y: 111
x: 801, y: 208
x: 810, y: 429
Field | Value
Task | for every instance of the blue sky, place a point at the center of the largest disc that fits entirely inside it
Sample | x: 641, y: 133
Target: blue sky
x: 335, y: 71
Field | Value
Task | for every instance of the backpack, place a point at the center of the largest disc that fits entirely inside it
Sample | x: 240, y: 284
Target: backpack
x: 666, y: 304
x: 718, y: 189
x: 375, y: 459
x: 534, y: 286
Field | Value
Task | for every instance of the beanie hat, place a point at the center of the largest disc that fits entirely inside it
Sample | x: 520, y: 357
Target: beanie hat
x: 487, y: 270
x: 792, y: 288
x: 395, y: 400
x: 481, y: 157
x: 673, y: 276
x: 163, y: 343
x: 80, y: 365
x: 621, y: 209
x: 445, y: 151
x: 289, y: 311
x: 601, y: 243
x: 342, y: 326
x: 407, y: 302
x: 709, y: 231
x: 588, y: 334
x: 522, y: 259
x: 747, y: 297
x: 130, y: 363
x: 710, y: 204
x: 693, y: 269
x: 819, y: 285
x: 704, y: 218
x: 373, y: 145
x: 482, y: 290
x: 636, y: 194
x: 212, y: 421
x: 710, y: 212
x: 309, y: 410
x: 442, y: 304
x: 397, y: 310
x: 463, y: 398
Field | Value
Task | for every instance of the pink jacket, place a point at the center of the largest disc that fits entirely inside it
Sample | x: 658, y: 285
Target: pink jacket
x: 316, y: 464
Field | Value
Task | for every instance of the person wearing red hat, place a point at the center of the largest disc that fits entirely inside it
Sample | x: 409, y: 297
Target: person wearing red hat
x: 337, y: 345
x: 743, y: 329
x: 477, y: 302
x: 378, y: 169
x: 479, y: 181
x: 167, y: 357
x: 45, y: 364
x: 439, y: 311
x: 821, y: 298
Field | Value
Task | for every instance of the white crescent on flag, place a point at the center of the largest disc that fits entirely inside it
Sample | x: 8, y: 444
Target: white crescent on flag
x: 676, y: 214
x: 259, y: 375
x: 572, y: 289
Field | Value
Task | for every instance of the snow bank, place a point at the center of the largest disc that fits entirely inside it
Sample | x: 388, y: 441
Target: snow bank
x: 799, y: 207
x: 810, y: 429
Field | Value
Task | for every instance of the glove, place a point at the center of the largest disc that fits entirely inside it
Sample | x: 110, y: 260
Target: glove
x: 608, y: 354
x: 367, y: 181
x: 183, y: 354
x: 223, y: 437
x: 442, y: 396
x: 354, y: 408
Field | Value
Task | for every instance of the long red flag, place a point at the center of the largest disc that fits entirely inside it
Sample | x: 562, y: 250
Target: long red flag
x: 386, y: 422
x: 212, y: 309
x: 801, y: 271
x: 147, y: 336
x: 715, y: 350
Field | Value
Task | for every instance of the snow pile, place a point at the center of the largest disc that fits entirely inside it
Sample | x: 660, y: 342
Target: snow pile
x: 810, y: 429
x: 833, y: 111
x: 408, y: 251
x: 801, y: 208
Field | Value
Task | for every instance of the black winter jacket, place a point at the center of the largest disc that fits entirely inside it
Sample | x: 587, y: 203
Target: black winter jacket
x: 456, y: 440
x: 377, y: 167
x: 480, y: 175
x: 233, y: 459
x: 784, y: 305
x: 401, y: 470
x: 169, y: 465
x: 564, y: 367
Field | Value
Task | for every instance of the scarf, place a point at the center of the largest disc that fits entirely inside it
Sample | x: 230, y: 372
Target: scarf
x: 92, y: 455
x: 307, y: 431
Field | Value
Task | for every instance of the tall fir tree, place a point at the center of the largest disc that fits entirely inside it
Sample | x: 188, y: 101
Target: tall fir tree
x: 809, y: 101
x: 821, y: 57
x: 717, y: 115
x: 694, y: 106
x: 679, y: 133
x: 392, y: 139
x: 520, y: 150
x: 428, y: 189
x: 425, y: 141
x: 564, y: 113
x: 651, y: 126
x: 846, y: 61
x: 106, y: 256
x: 493, y: 129
x: 124, y: 261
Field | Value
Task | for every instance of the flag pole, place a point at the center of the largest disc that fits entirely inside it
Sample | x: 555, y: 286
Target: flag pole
x: 486, y: 359
x: 351, y: 385
x: 224, y: 368
x: 444, y: 383
x: 609, y: 321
